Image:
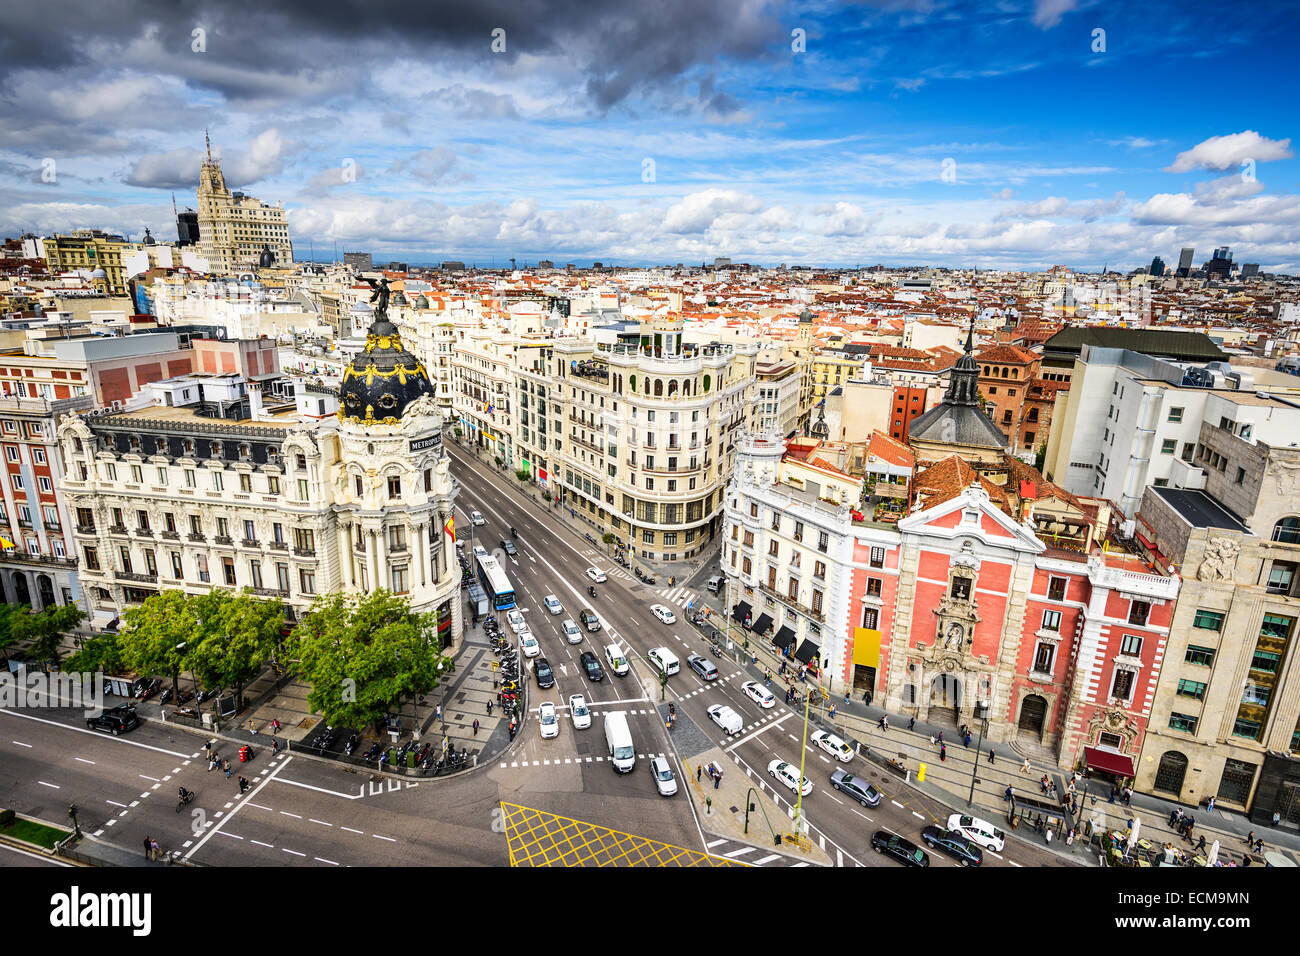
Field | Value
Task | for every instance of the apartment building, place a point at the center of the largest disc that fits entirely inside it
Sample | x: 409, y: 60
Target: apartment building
x: 778, y: 387
x: 90, y: 251
x: 644, y: 428
x: 244, y: 487
x: 1227, y: 718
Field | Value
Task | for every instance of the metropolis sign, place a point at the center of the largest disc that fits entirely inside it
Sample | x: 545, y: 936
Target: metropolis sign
x: 424, y: 444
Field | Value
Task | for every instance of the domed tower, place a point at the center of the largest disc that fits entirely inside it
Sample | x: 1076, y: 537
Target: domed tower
x: 393, y: 488
x: 266, y: 258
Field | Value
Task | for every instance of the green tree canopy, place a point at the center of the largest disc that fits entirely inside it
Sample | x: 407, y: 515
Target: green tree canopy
x: 363, y: 656
x: 102, y: 654
x: 237, y: 636
x: 45, y: 629
x: 151, y: 632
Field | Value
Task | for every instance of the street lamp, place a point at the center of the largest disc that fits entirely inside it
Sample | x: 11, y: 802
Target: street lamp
x: 981, y: 710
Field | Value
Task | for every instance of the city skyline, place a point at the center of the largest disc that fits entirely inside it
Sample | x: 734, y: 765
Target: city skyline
x: 898, y: 133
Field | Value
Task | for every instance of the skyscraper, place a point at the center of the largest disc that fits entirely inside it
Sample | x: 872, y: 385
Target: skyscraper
x: 1185, y: 261
x: 234, y: 228
x: 1157, y: 266
x: 1222, y: 252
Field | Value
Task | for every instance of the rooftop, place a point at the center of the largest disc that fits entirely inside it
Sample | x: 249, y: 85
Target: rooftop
x: 1199, y: 510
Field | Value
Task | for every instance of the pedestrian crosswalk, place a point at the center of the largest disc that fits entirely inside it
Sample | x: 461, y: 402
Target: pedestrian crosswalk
x: 561, y: 761
x: 679, y: 596
x: 751, y: 855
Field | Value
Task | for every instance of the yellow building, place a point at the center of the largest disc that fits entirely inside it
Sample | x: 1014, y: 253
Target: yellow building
x: 90, y: 249
x: 234, y: 228
x: 828, y: 371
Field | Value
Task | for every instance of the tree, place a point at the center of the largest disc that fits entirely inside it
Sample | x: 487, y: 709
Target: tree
x: 100, y: 654
x: 150, y: 634
x: 363, y: 656
x: 45, y: 629
x: 237, y: 637
x: 7, y: 612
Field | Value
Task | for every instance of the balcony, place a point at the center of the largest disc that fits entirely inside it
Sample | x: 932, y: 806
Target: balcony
x: 249, y: 543
x: 270, y: 592
x: 792, y: 604
x: 117, y: 529
x: 133, y: 576
x: 85, y: 529
x: 198, y: 538
x: 278, y: 545
x: 144, y: 532
x: 224, y: 539
x: 24, y: 557
x: 305, y: 552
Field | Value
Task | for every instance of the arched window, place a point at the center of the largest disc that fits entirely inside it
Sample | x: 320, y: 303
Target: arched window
x: 1170, y: 772
x: 659, y: 388
x: 707, y: 382
x: 1287, y: 531
x: 1004, y: 372
x: 632, y: 381
x: 672, y: 386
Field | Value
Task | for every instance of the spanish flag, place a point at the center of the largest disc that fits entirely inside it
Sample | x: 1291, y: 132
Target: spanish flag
x: 450, y: 527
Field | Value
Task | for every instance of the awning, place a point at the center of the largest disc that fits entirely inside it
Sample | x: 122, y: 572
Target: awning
x: 808, y: 652
x: 1109, y: 761
x: 784, y: 637
x: 763, y: 624
x: 741, y: 612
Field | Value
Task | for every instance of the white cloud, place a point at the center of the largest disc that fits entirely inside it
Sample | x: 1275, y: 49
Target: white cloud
x: 1048, y: 13
x: 1222, y: 152
x: 699, y: 211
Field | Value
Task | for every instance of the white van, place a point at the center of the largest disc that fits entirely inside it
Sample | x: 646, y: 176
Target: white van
x: 617, y: 662
x: 619, y: 741
x: 726, y: 718
x: 664, y: 659
x: 715, y: 583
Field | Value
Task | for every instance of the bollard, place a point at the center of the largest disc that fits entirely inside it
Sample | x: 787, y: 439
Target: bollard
x: 708, y: 806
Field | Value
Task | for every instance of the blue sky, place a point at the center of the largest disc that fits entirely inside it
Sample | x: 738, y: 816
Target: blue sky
x: 926, y: 132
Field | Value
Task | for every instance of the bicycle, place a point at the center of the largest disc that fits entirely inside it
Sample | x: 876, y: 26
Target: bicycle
x: 180, y: 804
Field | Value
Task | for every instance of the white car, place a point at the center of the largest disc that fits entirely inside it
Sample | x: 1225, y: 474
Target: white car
x: 581, y: 715
x: 978, y: 831
x: 833, y: 745
x: 546, y: 717
x: 528, y: 644
x: 553, y: 604
x: 516, y: 620
x: 665, y: 782
x: 661, y: 612
x: 726, y: 718
x: 597, y: 575
x: 476, y: 519
x: 617, y: 662
x: 572, y: 633
x: 788, y: 774
x: 758, y: 694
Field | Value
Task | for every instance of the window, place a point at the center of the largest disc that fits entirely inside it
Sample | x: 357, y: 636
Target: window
x: 306, y: 581
x: 1122, y: 685
x: 218, y: 484
x: 776, y: 521
x: 874, y: 587
x: 960, y: 588
x: 189, y: 477
x: 249, y: 531
x: 92, y: 558
x: 1203, y: 656
x: 255, y: 572
x: 1175, y: 414
x: 1131, y: 645
x: 1168, y: 446
x: 399, y: 581
x: 282, y: 577
x: 1160, y: 483
x: 774, y: 548
x: 394, y: 486
x: 749, y: 539
x: 1191, y: 688
x: 819, y: 569
x: 245, y: 482
x: 798, y: 530
x: 823, y: 541
x: 176, y: 565
x: 877, y: 557
x: 1056, y: 589
x: 1208, y: 620
x: 11, y: 452
x: 816, y: 601
x: 1044, y: 657
x: 1138, y: 612
x: 228, y: 570
x: 273, y: 486
x: 746, y: 566
x: 302, y: 495
x: 753, y: 510
x: 1182, y: 722
x: 1189, y: 451
x: 17, y: 481
x: 137, y: 474
x: 1280, y: 576
x: 1052, y: 621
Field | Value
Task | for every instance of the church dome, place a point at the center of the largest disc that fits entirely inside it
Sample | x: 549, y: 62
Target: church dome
x: 383, y: 380
x: 421, y: 302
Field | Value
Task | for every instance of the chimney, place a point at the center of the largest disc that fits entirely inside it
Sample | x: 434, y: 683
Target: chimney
x: 255, y: 411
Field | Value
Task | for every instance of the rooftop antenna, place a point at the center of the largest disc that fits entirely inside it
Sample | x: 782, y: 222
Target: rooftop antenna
x: 174, y: 213
x: 208, y: 143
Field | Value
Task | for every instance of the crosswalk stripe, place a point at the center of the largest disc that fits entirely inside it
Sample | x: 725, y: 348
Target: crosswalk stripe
x: 710, y: 846
x: 767, y: 859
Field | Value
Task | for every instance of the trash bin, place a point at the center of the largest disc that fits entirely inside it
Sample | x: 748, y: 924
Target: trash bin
x: 392, y: 756
x: 410, y: 758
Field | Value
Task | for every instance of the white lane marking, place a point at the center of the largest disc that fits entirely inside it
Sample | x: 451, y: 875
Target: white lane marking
x: 286, y: 813
x: 256, y: 806
x: 53, y: 785
x: 840, y: 802
x: 897, y: 804
x: 21, y: 744
x: 233, y: 836
x: 145, y: 776
x: 116, y: 804
x: 294, y: 852
x: 321, y: 859
x: 634, y: 621
x: 269, y: 846
x: 333, y: 793
x: 378, y: 837
x: 1013, y: 862
x: 767, y: 859
x: 321, y: 822
x: 710, y: 846
x: 349, y: 829
x: 230, y: 816
x: 917, y: 815
x: 91, y: 733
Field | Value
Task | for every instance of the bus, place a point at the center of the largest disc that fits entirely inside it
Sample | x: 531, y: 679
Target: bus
x: 494, y: 581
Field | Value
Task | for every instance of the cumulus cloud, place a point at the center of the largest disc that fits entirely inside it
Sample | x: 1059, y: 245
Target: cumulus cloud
x: 179, y: 168
x: 1222, y: 152
x: 431, y: 166
x: 700, y: 211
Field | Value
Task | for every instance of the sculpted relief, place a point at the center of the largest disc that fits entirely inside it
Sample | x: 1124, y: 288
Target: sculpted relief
x: 1219, y: 560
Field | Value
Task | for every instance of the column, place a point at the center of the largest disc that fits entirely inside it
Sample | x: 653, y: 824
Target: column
x: 372, y: 559
x: 381, y: 566
x: 347, y: 574
x: 420, y: 547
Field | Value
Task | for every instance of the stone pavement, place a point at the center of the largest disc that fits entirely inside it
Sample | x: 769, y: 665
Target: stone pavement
x: 950, y: 779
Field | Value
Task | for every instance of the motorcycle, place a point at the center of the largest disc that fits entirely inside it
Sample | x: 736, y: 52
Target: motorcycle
x: 591, y: 591
x: 513, y: 534
x: 149, y: 689
x: 167, y: 695
x: 351, y: 745
x: 373, y: 752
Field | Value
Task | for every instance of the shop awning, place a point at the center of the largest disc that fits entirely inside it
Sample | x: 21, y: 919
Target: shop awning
x: 741, y: 612
x: 1108, y: 761
x: 808, y: 652
x: 763, y: 624
x: 784, y: 637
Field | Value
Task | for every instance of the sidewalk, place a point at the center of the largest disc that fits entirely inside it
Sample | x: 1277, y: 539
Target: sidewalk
x: 950, y: 780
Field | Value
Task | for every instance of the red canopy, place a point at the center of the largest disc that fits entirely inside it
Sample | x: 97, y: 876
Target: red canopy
x: 1108, y: 760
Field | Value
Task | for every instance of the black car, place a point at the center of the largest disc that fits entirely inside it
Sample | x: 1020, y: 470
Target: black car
x: 509, y: 547
x: 904, y: 851
x: 115, y: 721
x: 954, y: 844
x: 855, y: 787
x: 591, y: 666
x: 542, y: 671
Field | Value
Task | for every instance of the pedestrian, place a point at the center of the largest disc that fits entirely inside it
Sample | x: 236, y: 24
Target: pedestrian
x: 155, y: 848
x: 489, y: 708
x: 832, y: 710
x: 717, y: 780
x: 1069, y: 840
x: 475, y: 726
x: 243, y: 784
x: 941, y: 737
x: 885, y: 718
x: 275, y: 726
x: 1209, y: 807
x: 911, y: 722
x: 1025, y: 768
x: 846, y: 698
x: 1113, y: 792
x: 1200, y: 844
x: 699, y: 772
x: 252, y: 728
x: 1173, y: 817
x: 148, y: 848
x: 881, y: 722
x: 990, y: 755
x: 1128, y: 797
x: 226, y: 766
x: 1259, y: 845
x: 1277, y: 818
x: 943, y: 753
x: 932, y: 741
x: 1048, y: 835
x: 1250, y: 838
x: 275, y: 746
x: 1008, y: 794
x: 212, y: 761
x: 966, y: 739
x: 437, y: 712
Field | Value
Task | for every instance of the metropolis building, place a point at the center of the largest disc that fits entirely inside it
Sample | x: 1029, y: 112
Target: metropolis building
x: 210, y: 487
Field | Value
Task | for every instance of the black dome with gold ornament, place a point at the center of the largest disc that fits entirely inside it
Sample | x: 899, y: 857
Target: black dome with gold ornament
x: 381, y: 381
